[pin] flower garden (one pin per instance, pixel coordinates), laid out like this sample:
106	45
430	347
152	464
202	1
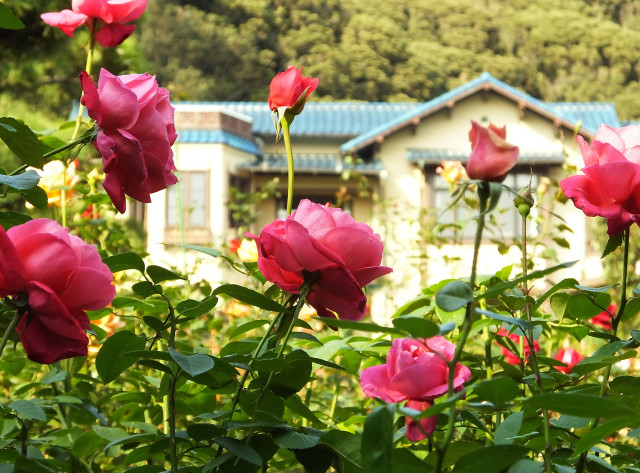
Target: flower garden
112	363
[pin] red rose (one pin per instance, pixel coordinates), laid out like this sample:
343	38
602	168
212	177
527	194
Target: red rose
604	318
491	156
608	187
61	277
416	371
569	357
287	87
509	356
135	134
110	16
330	247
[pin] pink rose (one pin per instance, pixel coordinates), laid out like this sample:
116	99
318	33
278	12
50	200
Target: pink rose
570	357
604	318
327	246
416	371
59	277
608	187
135	134
491	156
107	17
287	87
509	356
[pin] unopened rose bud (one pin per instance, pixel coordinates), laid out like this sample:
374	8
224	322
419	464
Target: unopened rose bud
524	201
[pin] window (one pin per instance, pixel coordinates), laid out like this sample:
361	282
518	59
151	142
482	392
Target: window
188	201
506	223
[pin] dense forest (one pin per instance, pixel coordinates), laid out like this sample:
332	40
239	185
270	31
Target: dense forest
375	50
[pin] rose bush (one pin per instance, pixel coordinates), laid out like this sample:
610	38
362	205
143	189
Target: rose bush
135	134
106	18
604	318
491	156
287	87
328	248
416	371
611	175
53	277
511	357
570	357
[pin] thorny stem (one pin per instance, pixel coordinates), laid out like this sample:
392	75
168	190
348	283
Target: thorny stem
466	326
7	333
614	328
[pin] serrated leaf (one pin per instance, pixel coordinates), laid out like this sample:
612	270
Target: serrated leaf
579	405
454	296
494	458
159	274
361	326
294	440
508	429
498	390
192	364
205	431
239	449
24	181
596	434
87	444
21	141
36	196
249	296
124	261
112	360
8	20
613	243
416	326
28	410
377	441
203	307
523	324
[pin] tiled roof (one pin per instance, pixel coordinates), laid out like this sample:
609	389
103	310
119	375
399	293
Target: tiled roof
311	163
589	114
485	81
218	136
437	155
336	119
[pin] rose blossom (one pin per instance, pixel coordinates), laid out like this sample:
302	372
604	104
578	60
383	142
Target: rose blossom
452	171
327	246
416	371
570	357
287	87
108	17
60	277
135	134
491	156
611	176
509	356
604	318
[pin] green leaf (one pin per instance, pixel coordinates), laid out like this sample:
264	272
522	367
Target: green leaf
500	288
416	326
377	441
249	296
110	433
508	429
112	360
28	410
559	303
21	141
294	440
579	405
569	283
494	458
239	449
192	364
204	431
87	444
36	196
346	445
526	466
248	326
203	307
498	390
9	219
612	244
454	296
24	181
361	326
294	376
595	435
8	20
523	324
582	306
201	249
124	261
159	274
454	452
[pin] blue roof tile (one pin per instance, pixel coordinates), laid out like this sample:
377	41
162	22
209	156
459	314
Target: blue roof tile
437	155
588	114
218	136
311	163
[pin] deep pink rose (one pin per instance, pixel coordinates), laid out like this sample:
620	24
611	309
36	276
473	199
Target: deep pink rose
416	371
135	134
491	156
287	87
604	318
107	17
570	357
509	356
60	277
327	246
610	179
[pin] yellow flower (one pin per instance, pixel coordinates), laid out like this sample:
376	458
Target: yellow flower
452	171
248	251
53	177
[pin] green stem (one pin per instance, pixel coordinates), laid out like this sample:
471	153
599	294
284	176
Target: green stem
46	156
466	328
173	453
290	175
7	333
614	328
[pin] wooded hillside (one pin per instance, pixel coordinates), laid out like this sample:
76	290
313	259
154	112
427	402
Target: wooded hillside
375	50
